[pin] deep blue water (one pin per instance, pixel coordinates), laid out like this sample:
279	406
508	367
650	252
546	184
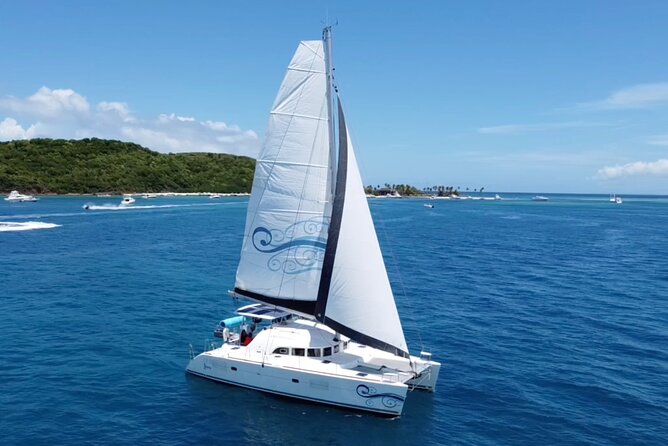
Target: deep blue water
550	319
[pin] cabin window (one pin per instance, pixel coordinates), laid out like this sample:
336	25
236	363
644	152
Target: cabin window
336	348
314	352
298	351
282	351
327	351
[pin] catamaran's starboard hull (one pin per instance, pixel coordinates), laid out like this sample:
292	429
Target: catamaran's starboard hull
381	398
427	378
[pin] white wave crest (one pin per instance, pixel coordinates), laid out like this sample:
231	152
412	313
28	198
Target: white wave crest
10	226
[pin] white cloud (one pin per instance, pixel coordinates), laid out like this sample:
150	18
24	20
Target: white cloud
67	114
519	129
636	96
10	129
638	168
47	103
119	108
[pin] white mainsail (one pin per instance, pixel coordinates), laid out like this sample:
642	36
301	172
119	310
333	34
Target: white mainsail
286	222
296	218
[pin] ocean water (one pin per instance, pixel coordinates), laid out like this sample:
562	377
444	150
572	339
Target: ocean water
550	319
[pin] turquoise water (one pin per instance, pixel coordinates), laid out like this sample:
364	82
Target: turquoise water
550	319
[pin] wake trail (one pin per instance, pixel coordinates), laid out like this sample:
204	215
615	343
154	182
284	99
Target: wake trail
118	207
11	226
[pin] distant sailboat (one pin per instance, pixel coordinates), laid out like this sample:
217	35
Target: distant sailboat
615	199
311	258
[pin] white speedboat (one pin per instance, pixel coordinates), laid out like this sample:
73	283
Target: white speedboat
214	196
539	198
127	200
430	206
310	249
149	196
16	197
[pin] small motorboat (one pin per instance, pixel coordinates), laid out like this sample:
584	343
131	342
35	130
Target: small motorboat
15	197
127	200
215	196
539	198
430	206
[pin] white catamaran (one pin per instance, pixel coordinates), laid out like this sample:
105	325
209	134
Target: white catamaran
327	327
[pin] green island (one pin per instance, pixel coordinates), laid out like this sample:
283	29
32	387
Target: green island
91	165
406	190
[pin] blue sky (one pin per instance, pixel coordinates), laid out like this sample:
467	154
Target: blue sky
567	96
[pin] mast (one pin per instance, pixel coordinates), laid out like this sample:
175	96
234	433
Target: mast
329	73
336	179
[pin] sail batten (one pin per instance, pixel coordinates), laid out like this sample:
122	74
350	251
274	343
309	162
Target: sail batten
293	163
304	70
319	118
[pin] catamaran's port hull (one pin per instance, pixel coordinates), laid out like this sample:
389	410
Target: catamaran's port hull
378	397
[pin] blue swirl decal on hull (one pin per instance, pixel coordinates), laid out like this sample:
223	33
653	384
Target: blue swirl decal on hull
390	400
298	248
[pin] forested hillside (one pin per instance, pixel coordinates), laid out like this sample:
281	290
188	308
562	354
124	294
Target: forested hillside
99	165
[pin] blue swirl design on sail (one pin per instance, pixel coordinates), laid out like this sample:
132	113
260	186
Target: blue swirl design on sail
296	249
389	400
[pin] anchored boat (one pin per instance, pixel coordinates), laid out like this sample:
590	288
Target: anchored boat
15	196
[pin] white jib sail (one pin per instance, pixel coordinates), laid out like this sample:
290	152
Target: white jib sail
287	222
360	296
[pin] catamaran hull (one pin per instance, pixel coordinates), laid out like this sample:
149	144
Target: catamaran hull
427	378
381	398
